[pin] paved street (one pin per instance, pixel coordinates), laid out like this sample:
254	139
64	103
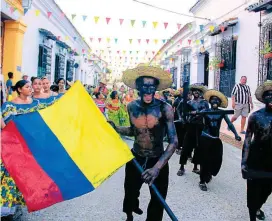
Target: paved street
224	201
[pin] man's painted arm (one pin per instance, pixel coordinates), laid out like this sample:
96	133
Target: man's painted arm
172	137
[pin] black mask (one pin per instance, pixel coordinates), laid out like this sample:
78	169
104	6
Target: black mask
146	86
267	96
215	102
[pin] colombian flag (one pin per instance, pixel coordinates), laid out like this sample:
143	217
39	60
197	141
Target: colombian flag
63	151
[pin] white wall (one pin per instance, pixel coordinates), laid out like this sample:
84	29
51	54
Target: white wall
59	26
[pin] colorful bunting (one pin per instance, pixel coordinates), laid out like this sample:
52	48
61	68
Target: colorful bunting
130	41
180	41
83	51
121	21
37	12
190	26
144	23
108	20
179	26
156	41
124	52
166	52
130	52
116	39
58	37
163	41
132	22
165	24
91	39
147	41
73	16
66	38
222	28
189	41
75	38
84	17
137	52
49	14
211	28
153	52
201	27
99	39
118	52
96	19
155	23
202	41
11	10
108	40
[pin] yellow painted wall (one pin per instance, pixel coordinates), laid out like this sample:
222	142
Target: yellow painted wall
13	48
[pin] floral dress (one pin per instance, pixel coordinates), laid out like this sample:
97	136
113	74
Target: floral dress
116	112
11	197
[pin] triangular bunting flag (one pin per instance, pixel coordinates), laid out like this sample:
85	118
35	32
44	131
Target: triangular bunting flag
121	21
153	52
179	26
110	52
156	41
190	26
66	38
130	41
202	41
84	17
130	52
91	39
62	14
108	40
132	22
163	41
155	23
73	16
165	24
189	41
146	52
116	39
58	37
99	39
137	52
166	52
49	14
211	28
144	23
201	27
37	12
108	20
180	42
11	9
83	51
96	18
222	28
124	52
118	52
75	38
147	41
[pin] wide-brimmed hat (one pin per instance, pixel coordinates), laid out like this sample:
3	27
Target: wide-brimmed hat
145	70
197	86
103	81
266	86
215	93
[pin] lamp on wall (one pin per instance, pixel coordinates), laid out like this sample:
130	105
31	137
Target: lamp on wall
26	5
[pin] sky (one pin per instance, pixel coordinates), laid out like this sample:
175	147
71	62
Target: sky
131	52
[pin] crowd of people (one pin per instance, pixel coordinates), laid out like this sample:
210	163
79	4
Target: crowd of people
189	119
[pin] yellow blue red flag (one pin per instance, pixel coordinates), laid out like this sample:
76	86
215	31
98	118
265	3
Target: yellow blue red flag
63	151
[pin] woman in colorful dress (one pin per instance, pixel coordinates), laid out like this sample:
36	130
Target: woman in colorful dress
115	113
99	101
11	198
44	98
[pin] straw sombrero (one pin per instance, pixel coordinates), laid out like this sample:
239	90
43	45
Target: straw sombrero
103	81
266	86
210	93
198	87
144	70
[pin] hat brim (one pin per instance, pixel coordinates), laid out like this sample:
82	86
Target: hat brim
199	87
210	93
266	86
130	76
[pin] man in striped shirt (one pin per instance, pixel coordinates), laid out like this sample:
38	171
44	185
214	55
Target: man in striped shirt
241	102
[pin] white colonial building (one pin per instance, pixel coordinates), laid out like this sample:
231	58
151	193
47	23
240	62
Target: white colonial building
222	46
54	48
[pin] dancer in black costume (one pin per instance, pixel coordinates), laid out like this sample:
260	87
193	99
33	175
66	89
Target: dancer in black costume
257	154
193	129
211	147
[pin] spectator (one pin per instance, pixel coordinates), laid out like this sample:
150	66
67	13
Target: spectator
99	100
241	101
25	77
9	85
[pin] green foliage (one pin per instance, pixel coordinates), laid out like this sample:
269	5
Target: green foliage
267	48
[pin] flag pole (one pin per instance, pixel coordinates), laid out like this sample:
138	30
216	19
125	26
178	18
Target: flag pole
157	193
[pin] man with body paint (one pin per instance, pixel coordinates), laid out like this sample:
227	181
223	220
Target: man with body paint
149	118
257	154
193	129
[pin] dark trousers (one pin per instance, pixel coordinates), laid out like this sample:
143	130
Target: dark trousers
258	190
181	130
190	143
133	184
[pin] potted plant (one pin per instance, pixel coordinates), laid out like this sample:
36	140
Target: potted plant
215	63
267	50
